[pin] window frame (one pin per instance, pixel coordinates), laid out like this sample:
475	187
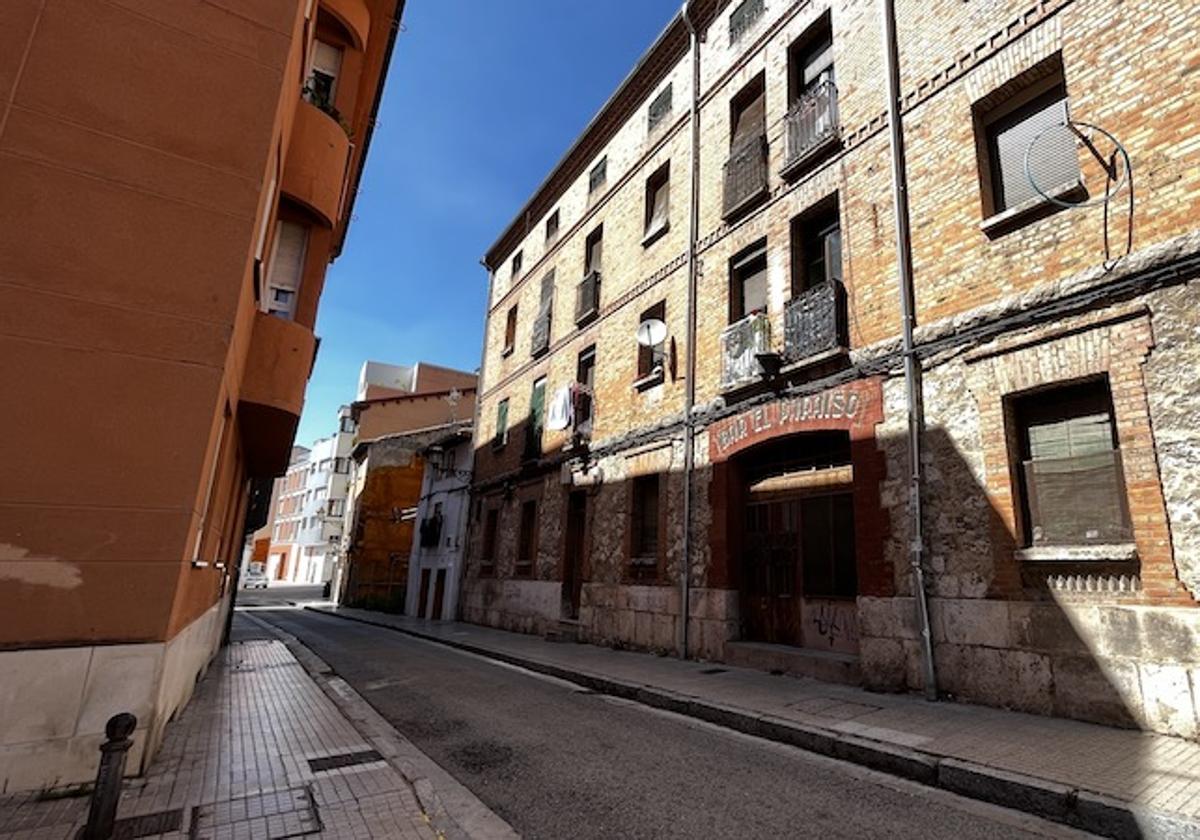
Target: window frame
815	225
553	222
739	271
500	435
510	331
643	565
651	361
660	108
598	175
658	182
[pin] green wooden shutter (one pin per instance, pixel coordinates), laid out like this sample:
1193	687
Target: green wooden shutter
501	424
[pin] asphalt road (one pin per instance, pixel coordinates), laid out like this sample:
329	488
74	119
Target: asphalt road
279	594
557	761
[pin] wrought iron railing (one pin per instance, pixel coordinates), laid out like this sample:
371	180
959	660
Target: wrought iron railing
587	300
1078	500
741	342
746	174
811	123
814	322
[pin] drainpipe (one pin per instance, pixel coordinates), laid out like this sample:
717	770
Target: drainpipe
912	370
690	351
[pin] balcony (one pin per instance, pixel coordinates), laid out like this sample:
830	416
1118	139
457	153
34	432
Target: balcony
587	300
811	127
352	14
745	176
814	322
272	391
741	342
315	167
1078	500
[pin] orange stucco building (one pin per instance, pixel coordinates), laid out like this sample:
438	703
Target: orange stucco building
176	177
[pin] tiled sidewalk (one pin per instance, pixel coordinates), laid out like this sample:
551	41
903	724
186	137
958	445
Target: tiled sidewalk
236	764
1081	764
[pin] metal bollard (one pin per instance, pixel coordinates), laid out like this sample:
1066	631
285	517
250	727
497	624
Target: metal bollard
106	794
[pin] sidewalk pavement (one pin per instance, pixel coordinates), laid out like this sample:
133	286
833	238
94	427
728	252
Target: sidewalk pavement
1114	782
264	750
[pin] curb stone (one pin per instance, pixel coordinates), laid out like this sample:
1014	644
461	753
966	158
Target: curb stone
1093	812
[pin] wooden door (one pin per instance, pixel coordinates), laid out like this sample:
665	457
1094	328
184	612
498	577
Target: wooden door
573	553
770	566
439	594
423	595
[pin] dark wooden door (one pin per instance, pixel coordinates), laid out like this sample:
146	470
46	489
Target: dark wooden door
439	593
423	595
573	553
770	569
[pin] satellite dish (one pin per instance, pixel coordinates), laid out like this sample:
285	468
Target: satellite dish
651	332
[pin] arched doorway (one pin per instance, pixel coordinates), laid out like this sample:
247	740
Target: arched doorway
795	560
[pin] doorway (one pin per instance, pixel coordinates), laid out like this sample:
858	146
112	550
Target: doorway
573	554
439	594
423	594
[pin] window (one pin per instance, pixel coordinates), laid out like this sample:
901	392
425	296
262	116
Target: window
552	226
650	358
658	203
287	268
341	465
816	247
643	525
748	282
748	114
510	330
659	110
517	261
594	251
337	507
537	418
598	176
810	61
744	17
488	561
1008	128
585	375
540	342
1068	467
527	538
827	546
321	86
348	424
501	437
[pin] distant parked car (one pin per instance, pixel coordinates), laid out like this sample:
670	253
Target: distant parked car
255	579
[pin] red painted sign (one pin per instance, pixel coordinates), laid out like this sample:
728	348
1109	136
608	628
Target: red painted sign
842	407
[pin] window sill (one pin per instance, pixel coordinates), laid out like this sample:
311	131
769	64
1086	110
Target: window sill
655	377
1106	553
655	235
1029	211
506	352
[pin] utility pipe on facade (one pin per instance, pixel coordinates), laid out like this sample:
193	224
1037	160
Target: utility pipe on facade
912	370
689	399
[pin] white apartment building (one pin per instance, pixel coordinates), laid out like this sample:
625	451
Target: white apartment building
435	565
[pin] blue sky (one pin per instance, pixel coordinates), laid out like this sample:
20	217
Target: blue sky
482	98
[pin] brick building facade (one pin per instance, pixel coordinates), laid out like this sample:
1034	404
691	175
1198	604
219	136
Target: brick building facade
1060	538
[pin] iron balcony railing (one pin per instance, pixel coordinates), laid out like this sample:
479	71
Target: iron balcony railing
741	342
745	174
587	300
812	124
814	322
1078	500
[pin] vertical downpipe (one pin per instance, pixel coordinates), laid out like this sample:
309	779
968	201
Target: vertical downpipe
912	370
690	383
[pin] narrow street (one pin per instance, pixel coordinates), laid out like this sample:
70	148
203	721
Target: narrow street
557	761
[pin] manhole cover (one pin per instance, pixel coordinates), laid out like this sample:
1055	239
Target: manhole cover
332	762
269	816
146	825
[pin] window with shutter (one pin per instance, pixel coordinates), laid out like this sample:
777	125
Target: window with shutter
748	282
1070	475
749	114
537	418
501	436
598	176
594	248
585	375
542	323
658	199
287	268
510	330
321	86
660	109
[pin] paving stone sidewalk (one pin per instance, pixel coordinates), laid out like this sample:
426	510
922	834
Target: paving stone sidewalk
1118	782
260	752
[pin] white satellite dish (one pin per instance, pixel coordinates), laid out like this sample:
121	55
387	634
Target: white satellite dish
651	332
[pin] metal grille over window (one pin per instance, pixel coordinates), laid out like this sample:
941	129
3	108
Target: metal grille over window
812	123
814	321
744	17
660	109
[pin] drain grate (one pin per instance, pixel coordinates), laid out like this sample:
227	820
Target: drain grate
266	816
714	671
146	825
333	762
